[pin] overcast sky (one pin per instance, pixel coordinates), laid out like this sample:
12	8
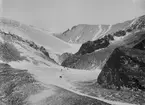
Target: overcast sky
59	15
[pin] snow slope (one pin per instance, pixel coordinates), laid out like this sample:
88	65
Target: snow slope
37	35
15	48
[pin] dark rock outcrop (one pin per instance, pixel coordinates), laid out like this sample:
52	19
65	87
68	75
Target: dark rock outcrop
140	45
120	33
124	69
90	46
64	56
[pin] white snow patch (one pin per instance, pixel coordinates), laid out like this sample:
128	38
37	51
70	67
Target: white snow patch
74	48
97	34
77	38
70	41
25	65
105	31
51	76
134	21
81	75
109	28
118	38
1	61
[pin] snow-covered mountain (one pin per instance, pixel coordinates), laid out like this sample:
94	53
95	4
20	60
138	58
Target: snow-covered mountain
83	32
37	35
14	48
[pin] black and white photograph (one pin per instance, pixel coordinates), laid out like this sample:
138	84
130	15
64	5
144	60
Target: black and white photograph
72	52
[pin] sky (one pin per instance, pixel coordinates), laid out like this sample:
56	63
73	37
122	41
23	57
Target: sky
59	15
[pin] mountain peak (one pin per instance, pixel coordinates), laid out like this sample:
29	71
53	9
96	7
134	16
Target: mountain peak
138	23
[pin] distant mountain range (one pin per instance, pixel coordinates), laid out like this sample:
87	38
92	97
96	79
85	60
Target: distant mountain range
84	32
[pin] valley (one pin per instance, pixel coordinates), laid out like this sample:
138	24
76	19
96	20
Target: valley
89	65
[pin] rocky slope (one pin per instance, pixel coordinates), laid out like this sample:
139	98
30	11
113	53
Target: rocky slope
93	53
64	56
15	48
124	69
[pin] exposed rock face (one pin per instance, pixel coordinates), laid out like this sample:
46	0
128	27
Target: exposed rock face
124	69
120	33
91	46
64	56
141	45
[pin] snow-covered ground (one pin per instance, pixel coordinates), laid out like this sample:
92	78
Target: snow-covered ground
81	75
73	48
49	75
